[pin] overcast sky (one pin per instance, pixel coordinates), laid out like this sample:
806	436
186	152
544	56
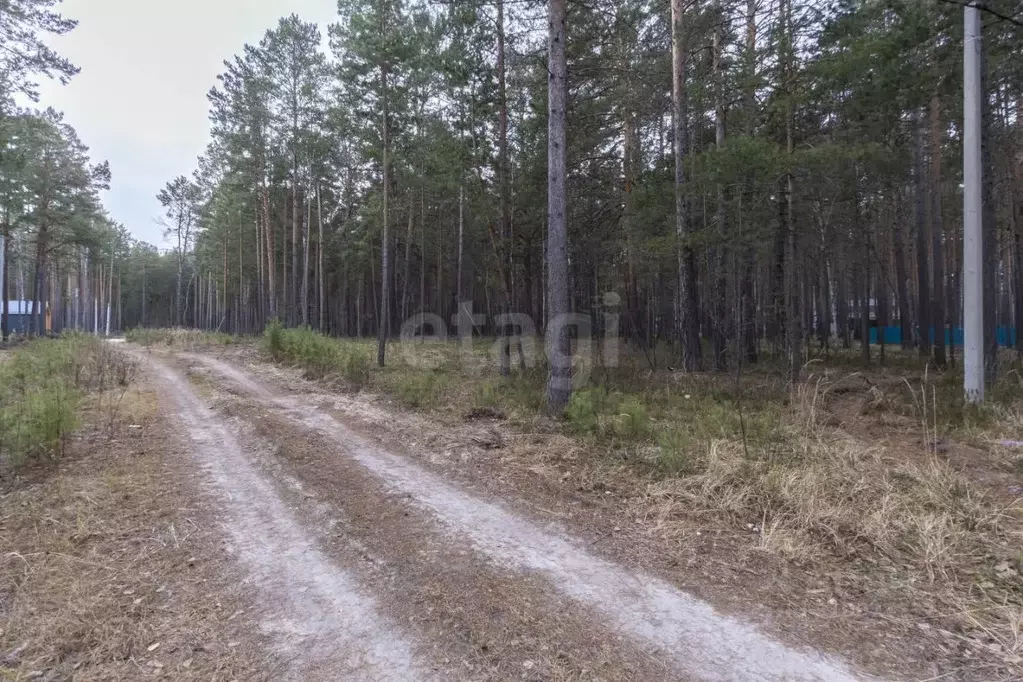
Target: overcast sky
140	100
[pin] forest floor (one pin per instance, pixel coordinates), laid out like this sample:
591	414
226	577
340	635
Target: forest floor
111	562
248	521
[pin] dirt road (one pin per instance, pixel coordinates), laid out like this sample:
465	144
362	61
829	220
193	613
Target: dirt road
369	566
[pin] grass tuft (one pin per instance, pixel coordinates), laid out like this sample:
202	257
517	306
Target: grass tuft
179	338
42	385
320	356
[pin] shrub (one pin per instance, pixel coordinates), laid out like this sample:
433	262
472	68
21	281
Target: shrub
583	412
678	454
486	394
632	420
273	337
320	356
603	415
526	391
356	368
417	390
41	386
177	337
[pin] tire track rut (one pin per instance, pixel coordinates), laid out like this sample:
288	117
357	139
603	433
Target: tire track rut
327	626
667	622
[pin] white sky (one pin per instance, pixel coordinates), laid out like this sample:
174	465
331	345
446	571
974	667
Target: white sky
140	100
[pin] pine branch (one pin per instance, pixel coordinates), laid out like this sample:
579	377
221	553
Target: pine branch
982	6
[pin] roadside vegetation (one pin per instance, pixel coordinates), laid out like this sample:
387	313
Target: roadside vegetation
104	573
45	385
178	338
882	477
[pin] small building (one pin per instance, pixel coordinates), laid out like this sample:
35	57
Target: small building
21	319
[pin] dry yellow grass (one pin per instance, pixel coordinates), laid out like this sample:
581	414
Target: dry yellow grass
889	517
872	488
108	570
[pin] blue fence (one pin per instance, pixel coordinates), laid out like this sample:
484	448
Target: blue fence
953	337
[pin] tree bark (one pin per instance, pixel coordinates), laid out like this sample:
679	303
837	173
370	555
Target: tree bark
305	262
721	321
385	263
937	230
285	298
922	269
901	275
687	329
260	282
747	293
794	326
296	207
408	262
459	291
559	380
5	299
629	164
42	239
864	313
1017	224
271	257
422	253
319	254
504	252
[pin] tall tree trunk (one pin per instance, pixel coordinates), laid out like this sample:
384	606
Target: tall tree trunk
559	380
881	295
1017	223
629	163
38	280
360	304
319	255
226	274
687	323
459	291
504	252
144	277
440	267
863	286
794	326
240	326
271	254
305	262
748	309
922	269
296	208
5	299
385	262
178	303
721	321
285	293
937	230
422	253
110	293
260	281
408	262
901	275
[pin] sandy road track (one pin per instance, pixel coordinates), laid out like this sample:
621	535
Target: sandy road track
317	612
685	635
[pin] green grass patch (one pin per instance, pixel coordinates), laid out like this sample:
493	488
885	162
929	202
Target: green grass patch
42	384
418	389
320	356
181	338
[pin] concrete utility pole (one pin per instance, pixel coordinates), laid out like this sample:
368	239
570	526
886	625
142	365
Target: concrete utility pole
973	252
